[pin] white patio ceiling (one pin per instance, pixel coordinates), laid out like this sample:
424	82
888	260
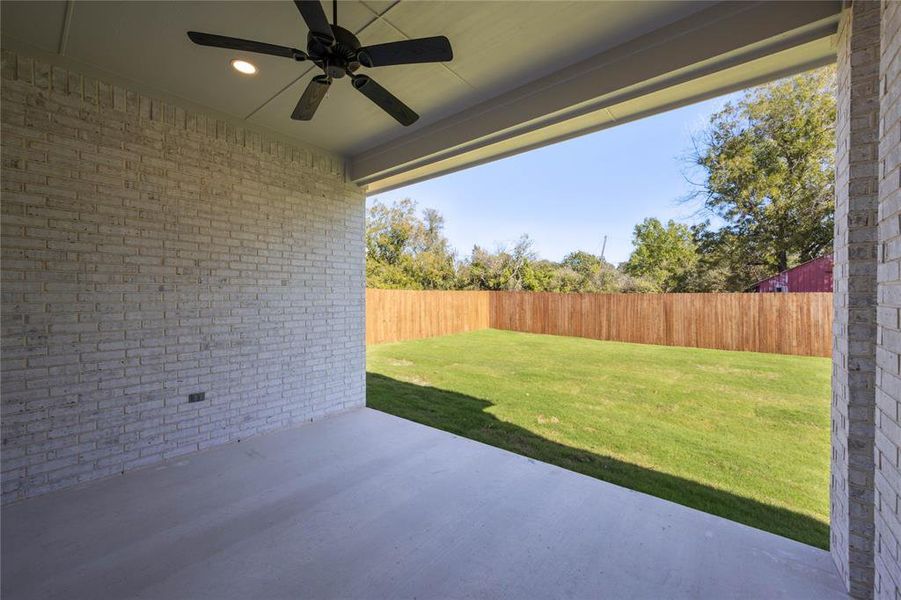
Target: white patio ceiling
524	73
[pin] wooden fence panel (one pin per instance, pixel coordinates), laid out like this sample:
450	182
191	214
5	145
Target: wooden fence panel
798	323
397	315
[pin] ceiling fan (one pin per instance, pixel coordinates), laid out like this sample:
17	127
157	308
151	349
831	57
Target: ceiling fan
338	52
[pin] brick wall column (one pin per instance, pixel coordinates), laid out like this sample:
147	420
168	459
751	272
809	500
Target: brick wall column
854	352
888	350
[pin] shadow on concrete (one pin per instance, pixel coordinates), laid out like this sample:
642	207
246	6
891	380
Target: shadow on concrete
466	416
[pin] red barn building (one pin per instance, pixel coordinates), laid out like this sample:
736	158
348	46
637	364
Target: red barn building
813	276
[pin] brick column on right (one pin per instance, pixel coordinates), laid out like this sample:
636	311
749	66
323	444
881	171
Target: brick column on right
854	351
888	350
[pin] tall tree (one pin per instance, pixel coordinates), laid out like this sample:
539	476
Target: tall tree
404	250
663	254
768	164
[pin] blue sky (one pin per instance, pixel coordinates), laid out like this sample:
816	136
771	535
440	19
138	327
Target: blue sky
568	196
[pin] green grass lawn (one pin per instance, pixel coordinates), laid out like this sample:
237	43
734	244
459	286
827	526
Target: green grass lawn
737	434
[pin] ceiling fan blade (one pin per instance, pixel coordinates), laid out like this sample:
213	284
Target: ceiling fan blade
314	17
385	100
312	96
422	50
222	41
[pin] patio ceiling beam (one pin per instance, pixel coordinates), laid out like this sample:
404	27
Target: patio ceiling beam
722	48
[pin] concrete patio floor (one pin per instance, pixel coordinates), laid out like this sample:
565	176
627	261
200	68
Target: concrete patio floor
367	505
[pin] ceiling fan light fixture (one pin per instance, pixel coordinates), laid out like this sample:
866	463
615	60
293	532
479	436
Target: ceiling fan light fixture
243	67
338	53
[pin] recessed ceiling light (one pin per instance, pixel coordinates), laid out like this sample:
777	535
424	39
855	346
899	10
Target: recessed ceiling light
242	66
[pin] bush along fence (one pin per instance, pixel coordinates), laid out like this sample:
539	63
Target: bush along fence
796	323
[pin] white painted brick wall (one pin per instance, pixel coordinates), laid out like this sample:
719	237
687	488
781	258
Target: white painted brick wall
888	352
854	325
149	252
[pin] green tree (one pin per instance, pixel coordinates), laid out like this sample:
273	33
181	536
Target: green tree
519	269
663	255
768	164
512	269
404	250
584	263
582	271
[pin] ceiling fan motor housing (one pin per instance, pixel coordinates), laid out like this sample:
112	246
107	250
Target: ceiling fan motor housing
338	59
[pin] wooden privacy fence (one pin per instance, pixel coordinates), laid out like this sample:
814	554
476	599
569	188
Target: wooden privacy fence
396	315
797	323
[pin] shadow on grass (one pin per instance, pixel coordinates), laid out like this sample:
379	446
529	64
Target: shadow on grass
466	416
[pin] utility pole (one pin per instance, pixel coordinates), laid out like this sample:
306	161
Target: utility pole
604	247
